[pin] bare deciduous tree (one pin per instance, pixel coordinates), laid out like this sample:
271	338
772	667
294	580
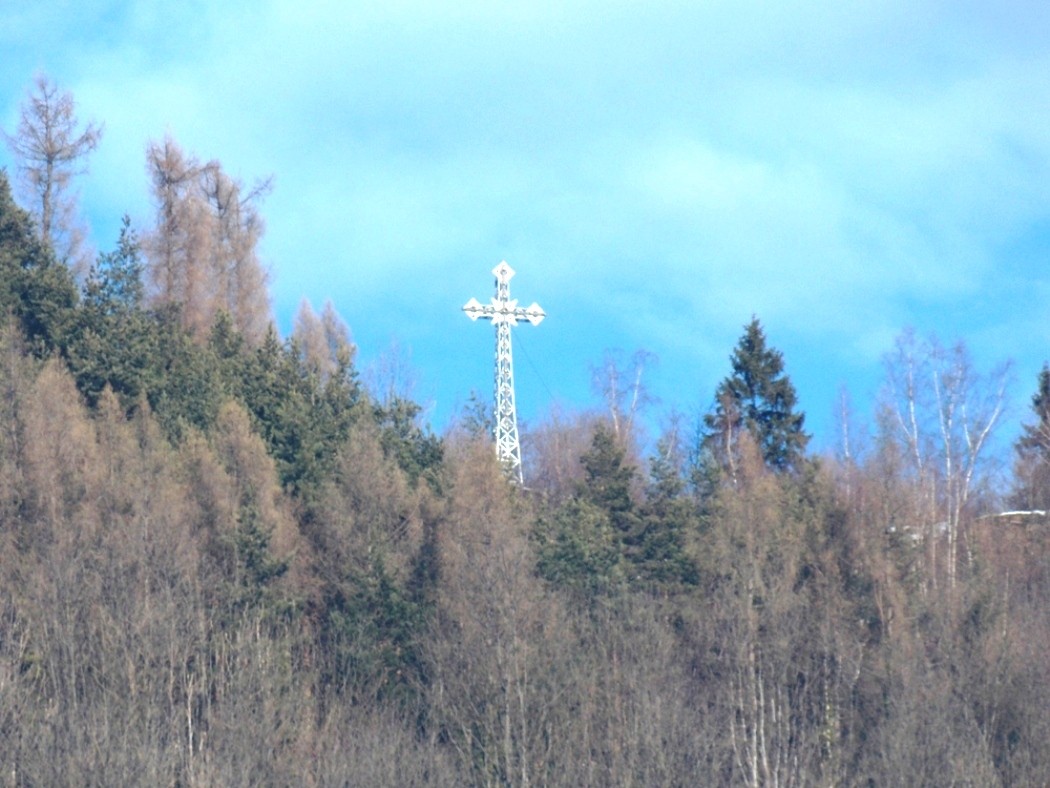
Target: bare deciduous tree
51	150
553	448
492	656
620	384
177	247
237	229
943	414
323	340
202	251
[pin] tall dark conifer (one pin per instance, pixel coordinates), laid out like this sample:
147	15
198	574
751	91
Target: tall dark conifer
667	516
608	480
584	543
759	398
114	341
114	284
35	288
1032	467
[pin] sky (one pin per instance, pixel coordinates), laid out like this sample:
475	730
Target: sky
657	173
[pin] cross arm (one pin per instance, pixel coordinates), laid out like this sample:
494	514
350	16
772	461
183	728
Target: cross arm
475	310
504	311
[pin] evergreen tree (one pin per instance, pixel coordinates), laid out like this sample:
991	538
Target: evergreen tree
304	415
582	545
477	418
33	286
115	342
272	390
115	282
602	537
607	481
667	516
577	549
1032	466
416	450
759	398
188	389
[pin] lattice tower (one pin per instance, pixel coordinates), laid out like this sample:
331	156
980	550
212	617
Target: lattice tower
505	313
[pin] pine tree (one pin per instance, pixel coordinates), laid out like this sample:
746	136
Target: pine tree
759	398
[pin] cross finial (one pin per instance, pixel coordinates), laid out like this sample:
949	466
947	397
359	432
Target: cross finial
504	313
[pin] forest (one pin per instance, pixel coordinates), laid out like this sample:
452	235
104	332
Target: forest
225	561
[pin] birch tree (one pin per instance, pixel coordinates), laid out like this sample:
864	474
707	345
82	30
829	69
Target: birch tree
620	384
943	413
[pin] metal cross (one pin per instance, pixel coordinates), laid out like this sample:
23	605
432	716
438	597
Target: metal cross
505	313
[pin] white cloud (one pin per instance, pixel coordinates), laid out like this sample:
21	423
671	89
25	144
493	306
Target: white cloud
834	168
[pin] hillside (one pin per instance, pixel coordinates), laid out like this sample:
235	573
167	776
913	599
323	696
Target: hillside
225	562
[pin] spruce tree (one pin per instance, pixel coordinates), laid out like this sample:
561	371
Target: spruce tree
759	398
608	480
667	515
584	544
114	284
601	540
37	290
114	341
1032	467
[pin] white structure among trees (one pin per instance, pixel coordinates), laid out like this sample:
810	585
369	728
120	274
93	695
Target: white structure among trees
504	313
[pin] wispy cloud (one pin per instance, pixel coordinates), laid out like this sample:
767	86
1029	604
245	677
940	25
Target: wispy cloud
839	170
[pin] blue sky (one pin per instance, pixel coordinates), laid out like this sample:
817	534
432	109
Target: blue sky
656	173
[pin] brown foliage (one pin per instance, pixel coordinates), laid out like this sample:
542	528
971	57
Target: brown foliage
553	449
147	635
323	340
51	150
492	658
201	252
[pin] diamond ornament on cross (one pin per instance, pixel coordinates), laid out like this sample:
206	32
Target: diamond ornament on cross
505	313
503	308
